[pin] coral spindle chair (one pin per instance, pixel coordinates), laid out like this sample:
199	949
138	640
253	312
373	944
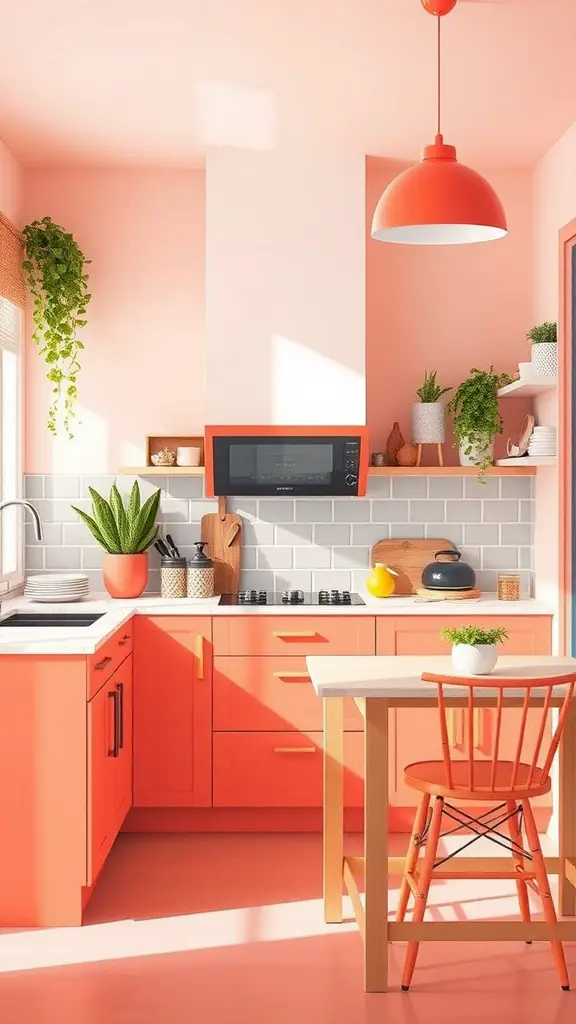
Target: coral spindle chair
510	785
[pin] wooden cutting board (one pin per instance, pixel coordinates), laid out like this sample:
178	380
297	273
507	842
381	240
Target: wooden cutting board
222	531
408	557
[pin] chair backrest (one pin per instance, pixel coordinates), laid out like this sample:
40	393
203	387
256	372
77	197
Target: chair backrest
533	753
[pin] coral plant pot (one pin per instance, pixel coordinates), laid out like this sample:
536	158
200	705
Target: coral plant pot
125	575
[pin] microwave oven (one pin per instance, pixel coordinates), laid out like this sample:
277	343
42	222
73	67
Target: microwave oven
286	461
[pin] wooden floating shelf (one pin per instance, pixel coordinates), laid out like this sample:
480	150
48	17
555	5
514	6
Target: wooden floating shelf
505	467
528	388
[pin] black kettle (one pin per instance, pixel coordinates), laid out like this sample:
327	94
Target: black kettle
449	575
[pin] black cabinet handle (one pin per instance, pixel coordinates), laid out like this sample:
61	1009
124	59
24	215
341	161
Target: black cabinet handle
113	695
120	707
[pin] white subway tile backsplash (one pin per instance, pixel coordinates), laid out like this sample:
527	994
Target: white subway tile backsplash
351	558
369	533
308	542
314	510
389	511
275	558
280	511
351	510
427	512
294	533
500	511
410	487
312	557
330	534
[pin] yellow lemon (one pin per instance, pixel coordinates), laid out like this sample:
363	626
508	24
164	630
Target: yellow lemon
380	582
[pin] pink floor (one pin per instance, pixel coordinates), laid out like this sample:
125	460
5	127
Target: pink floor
229	929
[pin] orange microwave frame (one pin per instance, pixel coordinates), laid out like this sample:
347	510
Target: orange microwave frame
279	431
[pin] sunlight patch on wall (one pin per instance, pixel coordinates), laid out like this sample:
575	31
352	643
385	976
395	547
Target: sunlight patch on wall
87	451
308	387
232	115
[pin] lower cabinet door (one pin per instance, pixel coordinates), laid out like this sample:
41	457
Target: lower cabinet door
102	775
280	769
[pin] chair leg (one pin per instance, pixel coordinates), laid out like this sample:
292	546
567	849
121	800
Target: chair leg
516	837
424	880
544	887
412	855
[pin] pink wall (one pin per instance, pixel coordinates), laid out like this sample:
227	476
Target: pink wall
554	206
10	186
143	367
445	308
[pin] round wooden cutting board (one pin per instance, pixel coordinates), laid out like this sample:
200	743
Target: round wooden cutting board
450	595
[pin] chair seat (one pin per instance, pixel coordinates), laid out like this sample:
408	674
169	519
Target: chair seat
430	777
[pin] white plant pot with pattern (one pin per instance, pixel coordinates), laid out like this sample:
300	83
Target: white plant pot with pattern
428	423
545	359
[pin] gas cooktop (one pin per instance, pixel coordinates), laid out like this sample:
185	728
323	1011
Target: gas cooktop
292	597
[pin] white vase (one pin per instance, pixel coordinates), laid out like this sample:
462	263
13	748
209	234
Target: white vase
545	359
477	454
428	424
474	659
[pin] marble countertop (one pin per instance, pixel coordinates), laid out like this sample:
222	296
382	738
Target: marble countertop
87	639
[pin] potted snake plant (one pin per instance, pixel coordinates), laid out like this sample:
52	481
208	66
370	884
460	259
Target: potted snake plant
428	426
125	532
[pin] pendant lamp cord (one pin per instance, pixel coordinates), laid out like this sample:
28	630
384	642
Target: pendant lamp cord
439	19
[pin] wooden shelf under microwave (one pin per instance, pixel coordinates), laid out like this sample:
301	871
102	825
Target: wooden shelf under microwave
528	469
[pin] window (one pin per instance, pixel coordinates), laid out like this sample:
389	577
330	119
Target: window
11	520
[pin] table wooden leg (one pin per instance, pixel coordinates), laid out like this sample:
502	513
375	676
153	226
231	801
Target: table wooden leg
333	825
376	845
567	810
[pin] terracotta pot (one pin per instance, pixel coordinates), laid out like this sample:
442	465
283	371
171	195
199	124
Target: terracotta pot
125	575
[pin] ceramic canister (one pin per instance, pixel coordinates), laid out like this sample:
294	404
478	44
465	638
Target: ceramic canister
173	577
200	574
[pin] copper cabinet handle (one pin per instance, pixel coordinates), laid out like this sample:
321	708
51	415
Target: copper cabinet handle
113	696
102	664
124	639
199	655
120	708
287	636
294	750
292	675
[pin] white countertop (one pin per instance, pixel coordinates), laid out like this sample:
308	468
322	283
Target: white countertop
399	676
86	640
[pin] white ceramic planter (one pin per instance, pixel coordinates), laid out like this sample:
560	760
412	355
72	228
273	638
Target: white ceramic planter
428	423
545	359
477	454
474	660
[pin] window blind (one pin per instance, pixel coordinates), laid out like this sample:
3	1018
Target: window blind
12	285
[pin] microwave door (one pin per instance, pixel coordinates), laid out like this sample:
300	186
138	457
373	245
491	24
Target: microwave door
291	466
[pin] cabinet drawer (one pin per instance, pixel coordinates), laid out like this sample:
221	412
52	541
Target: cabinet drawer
280	769
294	635
266	694
107	658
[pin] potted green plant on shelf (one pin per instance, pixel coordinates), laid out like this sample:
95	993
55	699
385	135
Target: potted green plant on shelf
428	415
544	338
54	269
474	651
125	532
477	418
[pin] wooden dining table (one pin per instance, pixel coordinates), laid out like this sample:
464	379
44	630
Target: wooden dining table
377	684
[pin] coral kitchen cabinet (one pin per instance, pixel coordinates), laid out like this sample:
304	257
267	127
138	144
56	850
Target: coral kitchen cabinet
66	777
173	712
415	732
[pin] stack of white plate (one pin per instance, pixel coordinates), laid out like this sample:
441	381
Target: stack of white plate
542	442
57	587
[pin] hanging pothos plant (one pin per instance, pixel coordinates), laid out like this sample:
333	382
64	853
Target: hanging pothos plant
54	270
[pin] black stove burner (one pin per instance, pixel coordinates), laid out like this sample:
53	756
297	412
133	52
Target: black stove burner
293	598
250	597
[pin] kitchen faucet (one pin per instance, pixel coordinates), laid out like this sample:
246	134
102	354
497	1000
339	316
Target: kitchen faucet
29	505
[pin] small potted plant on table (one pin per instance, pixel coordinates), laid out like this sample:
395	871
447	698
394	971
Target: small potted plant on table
125	533
544	338
474	651
477	417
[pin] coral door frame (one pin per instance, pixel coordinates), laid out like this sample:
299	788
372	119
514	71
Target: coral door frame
567	447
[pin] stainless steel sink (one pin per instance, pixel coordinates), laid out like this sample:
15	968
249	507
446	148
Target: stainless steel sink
36	620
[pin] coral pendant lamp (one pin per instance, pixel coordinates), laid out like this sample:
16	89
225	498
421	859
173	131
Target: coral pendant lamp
439	201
